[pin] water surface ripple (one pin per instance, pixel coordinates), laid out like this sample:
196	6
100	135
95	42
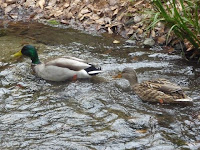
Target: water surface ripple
101	113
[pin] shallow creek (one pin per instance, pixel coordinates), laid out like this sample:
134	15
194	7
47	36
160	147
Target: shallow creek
101	113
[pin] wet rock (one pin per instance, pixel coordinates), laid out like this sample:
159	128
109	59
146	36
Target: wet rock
130	22
179	46
137	122
149	42
130	42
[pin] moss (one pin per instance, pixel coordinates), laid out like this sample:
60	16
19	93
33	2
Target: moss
3	32
53	22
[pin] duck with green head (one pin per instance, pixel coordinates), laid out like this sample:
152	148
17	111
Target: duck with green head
59	69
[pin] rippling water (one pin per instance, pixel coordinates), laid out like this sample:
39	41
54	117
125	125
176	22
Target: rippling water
100	113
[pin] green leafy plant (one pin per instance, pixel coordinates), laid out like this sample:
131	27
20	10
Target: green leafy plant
182	17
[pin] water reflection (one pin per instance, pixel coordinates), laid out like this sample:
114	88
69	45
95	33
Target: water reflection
100	113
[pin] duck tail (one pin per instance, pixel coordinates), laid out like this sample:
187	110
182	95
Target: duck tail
184	100
92	70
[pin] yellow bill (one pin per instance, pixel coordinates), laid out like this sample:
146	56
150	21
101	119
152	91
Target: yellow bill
18	54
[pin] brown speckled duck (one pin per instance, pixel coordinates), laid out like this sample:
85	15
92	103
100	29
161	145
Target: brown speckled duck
156	90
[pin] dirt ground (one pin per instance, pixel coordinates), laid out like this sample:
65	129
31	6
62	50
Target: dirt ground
127	18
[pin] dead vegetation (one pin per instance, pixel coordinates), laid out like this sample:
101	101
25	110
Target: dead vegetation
122	17
128	18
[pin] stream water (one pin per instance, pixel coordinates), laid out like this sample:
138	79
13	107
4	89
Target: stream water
101	113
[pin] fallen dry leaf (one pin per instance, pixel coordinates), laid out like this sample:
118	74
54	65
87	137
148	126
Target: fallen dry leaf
114	7
100	21
161	40
161	101
84	11
135	58
190	48
66	5
116	42
115	12
52	3
58	13
95	17
153	34
41	3
110	32
64	21
9	8
113	2
130	31
108	51
10	1
4	5
139	31
168	49
29	3
138	3
142	131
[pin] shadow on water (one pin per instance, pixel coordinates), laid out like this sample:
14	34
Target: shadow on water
99	113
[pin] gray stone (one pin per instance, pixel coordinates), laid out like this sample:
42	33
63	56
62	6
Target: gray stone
137	19
113	2
130	42
149	42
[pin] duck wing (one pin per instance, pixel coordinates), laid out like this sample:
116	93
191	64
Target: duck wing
71	63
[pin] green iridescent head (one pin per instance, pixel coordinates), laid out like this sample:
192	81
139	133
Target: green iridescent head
30	51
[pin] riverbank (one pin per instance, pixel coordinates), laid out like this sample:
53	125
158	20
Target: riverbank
122	17
129	19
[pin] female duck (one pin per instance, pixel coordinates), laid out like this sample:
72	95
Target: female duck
59	69
156	90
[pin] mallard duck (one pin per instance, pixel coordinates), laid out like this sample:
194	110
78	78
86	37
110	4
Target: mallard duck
59	69
156	90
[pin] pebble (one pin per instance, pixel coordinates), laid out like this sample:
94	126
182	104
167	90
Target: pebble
137	19
130	42
113	2
149	42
